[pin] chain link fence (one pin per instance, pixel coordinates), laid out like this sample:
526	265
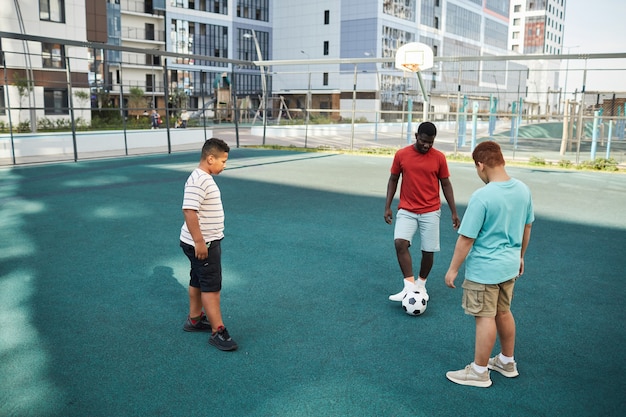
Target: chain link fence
68	100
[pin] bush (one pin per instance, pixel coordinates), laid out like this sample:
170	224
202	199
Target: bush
599	164
536	161
565	163
23	127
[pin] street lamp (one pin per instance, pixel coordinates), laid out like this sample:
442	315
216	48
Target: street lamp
263	80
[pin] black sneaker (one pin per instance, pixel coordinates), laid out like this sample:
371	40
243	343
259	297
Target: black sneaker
222	340
201	325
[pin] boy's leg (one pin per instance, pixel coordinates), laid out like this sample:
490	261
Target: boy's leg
211	303
485	339
195	302
505	323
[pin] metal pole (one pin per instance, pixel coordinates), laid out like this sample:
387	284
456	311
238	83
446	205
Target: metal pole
122	111
68	74
166	97
353	109
308	112
6	88
236	109
203	79
581	107
458	110
263	82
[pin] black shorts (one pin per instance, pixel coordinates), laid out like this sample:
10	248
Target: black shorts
205	274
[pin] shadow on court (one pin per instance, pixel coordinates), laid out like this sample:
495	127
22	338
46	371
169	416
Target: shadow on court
93	295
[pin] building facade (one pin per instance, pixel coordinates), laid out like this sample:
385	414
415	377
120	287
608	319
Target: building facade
537	27
213	42
35	89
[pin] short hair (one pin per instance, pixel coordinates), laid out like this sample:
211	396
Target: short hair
427	128
488	153
213	146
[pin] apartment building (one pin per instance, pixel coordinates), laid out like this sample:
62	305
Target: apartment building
35	74
219	34
376	29
537	27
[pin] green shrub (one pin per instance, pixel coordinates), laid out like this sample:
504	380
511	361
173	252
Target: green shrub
536	161
599	164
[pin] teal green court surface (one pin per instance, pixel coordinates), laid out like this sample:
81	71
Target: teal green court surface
93	295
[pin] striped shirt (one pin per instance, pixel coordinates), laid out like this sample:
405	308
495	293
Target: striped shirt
202	195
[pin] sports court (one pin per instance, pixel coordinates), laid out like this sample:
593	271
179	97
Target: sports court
93	295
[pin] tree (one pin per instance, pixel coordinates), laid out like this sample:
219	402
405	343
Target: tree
137	100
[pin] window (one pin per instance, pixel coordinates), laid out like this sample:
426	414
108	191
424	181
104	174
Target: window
55	101
150	83
326	17
52	10
326	47
325	78
517	8
149	31
516	22
53	55
253	9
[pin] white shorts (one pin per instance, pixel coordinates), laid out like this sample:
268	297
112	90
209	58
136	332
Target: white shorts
407	224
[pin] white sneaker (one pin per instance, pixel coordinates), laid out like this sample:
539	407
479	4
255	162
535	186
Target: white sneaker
408	286
422	290
469	376
509	370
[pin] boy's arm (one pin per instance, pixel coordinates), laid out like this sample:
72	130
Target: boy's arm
462	248
193	224
525	240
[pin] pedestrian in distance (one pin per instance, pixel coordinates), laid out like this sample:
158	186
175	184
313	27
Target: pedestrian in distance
492	241
155	118
200	239
423	170
184	118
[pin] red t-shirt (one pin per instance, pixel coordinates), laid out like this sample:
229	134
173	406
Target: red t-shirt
419	190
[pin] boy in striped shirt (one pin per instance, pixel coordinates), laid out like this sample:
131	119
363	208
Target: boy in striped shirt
200	238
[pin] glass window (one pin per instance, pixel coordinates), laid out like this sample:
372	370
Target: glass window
55	101
326	17
52	10
53	55
326	47
463	22
325	78
253	9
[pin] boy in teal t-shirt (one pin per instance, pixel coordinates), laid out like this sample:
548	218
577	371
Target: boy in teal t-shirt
493	238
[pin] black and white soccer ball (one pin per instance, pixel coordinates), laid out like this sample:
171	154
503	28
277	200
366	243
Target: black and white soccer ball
414	303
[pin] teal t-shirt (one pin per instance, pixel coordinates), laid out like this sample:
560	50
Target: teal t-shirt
495	217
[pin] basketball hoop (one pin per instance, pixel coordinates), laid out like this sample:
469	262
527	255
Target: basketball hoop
414	57
410	67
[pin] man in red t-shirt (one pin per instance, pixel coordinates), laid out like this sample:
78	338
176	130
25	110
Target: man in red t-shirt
422	169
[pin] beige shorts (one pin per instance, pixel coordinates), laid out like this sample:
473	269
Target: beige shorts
485	300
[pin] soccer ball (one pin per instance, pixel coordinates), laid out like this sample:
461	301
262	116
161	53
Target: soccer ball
414	303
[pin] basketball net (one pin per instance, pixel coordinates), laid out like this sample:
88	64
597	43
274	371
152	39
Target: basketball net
411	67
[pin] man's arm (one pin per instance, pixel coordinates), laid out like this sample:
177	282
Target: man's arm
448	193
462	248
392	186
525	240
193	224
